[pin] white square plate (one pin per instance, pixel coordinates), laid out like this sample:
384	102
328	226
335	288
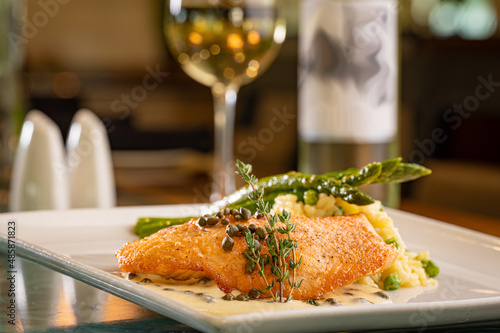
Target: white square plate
82	244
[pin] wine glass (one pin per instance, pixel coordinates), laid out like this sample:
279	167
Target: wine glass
224	44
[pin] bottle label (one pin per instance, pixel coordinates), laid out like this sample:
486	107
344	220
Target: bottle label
348	71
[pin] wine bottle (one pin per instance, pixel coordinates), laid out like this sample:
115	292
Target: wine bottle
348	86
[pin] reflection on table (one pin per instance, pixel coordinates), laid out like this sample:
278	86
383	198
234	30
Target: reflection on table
50	301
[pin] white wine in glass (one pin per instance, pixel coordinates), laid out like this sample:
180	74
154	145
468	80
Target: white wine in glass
224	44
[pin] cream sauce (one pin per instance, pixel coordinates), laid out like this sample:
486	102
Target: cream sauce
204	295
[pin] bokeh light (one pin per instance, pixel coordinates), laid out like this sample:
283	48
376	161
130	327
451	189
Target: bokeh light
444	19
479	20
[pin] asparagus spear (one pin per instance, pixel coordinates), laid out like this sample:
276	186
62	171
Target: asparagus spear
146	226
344	184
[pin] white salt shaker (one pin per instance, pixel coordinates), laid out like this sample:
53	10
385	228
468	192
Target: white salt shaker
90	167
39	176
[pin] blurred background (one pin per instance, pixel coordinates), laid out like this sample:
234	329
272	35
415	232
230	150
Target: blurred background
94	54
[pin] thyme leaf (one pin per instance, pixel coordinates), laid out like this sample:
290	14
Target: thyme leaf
283	257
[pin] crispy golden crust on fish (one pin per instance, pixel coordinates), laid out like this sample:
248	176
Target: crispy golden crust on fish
336	251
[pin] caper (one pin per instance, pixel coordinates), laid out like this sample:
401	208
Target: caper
224	221
234	211
242	297
245	213
250	267
131	276
232	230
202	222
252	227
248	253
227	243
382	294
245	231
254	293
207	298
332	301
146	280
256	237
228	297
257	246
259	215
220	215
227	211
207	216
261	232
238	217
212	220
203	280
239	226
361	301
265	259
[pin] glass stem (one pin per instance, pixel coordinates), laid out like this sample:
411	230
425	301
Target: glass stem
225	108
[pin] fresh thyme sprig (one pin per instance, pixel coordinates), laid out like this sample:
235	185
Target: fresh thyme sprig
282	251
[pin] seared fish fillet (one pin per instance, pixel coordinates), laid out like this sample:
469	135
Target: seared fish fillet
336	251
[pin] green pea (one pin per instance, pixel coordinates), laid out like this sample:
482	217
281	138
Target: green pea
430	268
392	282
227	243
310	197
